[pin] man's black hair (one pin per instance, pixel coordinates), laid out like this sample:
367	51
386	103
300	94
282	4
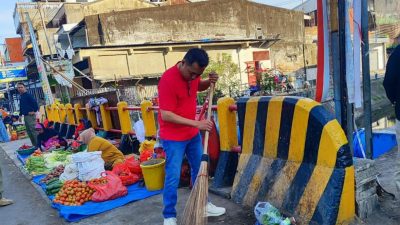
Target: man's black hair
197	55
21	83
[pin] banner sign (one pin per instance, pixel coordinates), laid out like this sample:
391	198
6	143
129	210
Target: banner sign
9	74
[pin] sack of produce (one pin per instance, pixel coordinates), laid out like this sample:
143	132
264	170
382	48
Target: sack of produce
70	172
90	165
123	172
108	187
134	166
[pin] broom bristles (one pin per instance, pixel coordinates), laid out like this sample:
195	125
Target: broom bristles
195	208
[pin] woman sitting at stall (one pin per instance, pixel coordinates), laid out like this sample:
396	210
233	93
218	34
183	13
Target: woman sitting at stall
110	154
46	135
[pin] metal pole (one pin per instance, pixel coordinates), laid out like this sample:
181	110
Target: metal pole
366	79
39	63
335	58
342	63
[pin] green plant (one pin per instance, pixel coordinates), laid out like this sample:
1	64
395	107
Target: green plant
228	71
268	84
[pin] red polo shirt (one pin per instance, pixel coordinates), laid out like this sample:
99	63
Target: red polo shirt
180	97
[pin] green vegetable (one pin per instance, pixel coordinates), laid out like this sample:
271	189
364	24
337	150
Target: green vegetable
56	185
52	181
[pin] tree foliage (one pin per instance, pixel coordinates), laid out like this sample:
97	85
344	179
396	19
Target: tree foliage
228	71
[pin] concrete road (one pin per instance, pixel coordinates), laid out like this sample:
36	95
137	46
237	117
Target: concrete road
29	207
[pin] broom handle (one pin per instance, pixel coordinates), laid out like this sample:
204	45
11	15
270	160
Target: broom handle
207	134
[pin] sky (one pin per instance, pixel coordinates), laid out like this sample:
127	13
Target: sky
7	28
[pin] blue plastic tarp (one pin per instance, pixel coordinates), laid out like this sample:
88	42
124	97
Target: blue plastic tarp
22	158
75	213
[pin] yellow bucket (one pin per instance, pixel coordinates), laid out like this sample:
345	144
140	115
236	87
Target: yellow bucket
153	173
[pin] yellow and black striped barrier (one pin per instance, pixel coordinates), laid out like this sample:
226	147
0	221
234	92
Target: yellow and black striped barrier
296	156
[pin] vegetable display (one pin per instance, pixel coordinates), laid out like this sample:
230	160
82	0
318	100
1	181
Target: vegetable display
54	186
73	193
55	173
36	165
25	146
37	153
57	158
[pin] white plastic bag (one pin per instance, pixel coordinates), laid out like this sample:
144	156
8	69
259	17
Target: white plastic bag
139	130
90	165
70	172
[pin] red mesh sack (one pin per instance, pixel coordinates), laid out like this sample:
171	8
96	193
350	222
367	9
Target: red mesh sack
146	155
123	172
134	166
111	190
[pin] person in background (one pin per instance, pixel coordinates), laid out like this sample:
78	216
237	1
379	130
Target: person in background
392	87
3	201
44	134
109	153
179	130
81	127
28	108
3	132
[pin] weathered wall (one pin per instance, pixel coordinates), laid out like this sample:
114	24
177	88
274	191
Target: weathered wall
288	57
386	9
114	5
74	12
228	19
129	63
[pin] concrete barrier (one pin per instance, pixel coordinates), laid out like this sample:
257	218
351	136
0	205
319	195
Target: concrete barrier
296	156
148	119
228	160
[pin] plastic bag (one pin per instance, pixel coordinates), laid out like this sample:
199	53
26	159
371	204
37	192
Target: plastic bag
139	130
146	155
266	214
123	172
90	165
134	166
111	190
70	172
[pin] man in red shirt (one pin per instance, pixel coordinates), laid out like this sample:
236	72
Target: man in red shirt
179	130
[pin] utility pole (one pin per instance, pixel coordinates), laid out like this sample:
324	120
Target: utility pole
366	79
39	63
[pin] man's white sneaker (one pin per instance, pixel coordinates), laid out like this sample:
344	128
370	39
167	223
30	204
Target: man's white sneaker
213	210
170	221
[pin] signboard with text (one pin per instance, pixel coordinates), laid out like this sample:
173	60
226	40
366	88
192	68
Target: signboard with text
9	74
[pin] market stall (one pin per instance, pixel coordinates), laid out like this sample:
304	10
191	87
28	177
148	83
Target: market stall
78	185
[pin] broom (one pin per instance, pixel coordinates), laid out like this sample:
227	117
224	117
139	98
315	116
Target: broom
195	208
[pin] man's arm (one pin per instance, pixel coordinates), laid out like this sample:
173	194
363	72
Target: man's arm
205	84
174	118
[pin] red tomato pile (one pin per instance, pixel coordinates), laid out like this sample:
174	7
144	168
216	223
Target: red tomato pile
74	193
98	181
